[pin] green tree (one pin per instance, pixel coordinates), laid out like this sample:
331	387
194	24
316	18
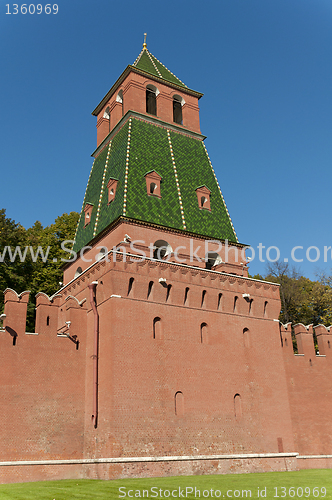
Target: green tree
48	254
13	271
38	263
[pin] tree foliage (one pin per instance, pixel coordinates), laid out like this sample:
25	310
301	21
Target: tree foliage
37	265
302	300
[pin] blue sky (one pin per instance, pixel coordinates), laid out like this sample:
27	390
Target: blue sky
264	67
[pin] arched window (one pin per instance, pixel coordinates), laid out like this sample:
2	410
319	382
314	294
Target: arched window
250	305
119	98
101	254
179	404
87	213
78	272
265	309
111	187
237	406
203	298
149	289
107	113
130	286
235	304
48	321
157	330
204	333
162	249
151	99
212	259
153	180
246	339
203	197
219	301
186	295
177	109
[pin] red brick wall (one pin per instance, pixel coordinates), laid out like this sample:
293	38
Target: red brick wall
310	393
213	380
134	99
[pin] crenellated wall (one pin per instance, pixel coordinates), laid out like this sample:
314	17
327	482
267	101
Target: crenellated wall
191	363
309	387
42	385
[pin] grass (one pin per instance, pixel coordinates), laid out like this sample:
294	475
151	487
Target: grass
236	485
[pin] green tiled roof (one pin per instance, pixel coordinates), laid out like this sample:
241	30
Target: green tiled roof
183	164
150	64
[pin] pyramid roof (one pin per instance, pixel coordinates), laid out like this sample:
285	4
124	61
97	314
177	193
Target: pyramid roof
183	164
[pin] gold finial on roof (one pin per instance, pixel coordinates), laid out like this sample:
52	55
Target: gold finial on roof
144	44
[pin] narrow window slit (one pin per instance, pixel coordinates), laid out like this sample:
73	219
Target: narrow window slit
203	297
150	289
186	295
130	285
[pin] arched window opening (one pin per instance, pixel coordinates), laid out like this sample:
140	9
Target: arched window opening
157	331
212	259
265	309
235	304
203	298
250	305
328	343
107	116
162	250
111	187
119	97
237	406
153	183
246	337
107	113
151	100
204	333
177	110
204	198
149	289
130	286
179	404
102	253
186	295
219	301
48	321
78	272
87	213
168	292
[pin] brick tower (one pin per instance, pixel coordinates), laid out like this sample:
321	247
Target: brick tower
159	355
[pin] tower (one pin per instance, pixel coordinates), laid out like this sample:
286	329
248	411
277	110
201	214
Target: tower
159	355
181	327
152	170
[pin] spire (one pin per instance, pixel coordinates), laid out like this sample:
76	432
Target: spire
148	63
